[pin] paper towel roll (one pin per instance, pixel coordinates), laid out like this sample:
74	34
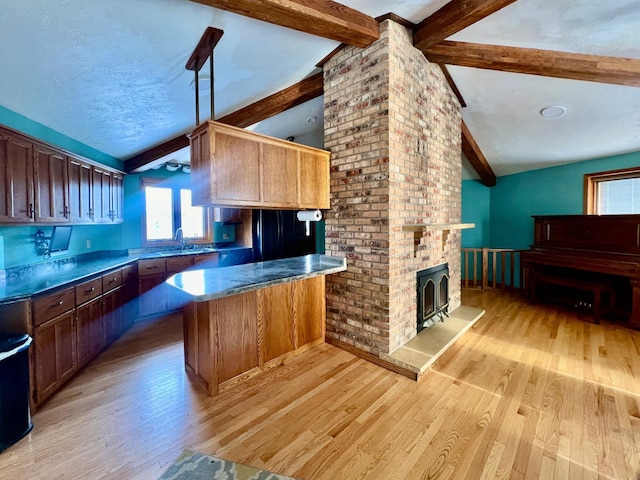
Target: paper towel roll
309	215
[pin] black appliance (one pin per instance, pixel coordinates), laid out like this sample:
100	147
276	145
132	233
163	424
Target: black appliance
279	234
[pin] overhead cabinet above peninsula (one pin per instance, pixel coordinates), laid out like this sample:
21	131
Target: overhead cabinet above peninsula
43	184
238	168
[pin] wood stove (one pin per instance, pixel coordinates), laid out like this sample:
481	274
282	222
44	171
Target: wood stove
433	295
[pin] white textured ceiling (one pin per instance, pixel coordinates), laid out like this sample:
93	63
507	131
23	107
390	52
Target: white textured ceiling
111	74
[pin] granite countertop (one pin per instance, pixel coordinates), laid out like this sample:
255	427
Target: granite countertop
37	282
209	284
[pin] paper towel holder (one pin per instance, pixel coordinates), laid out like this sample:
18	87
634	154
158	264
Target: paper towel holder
309	215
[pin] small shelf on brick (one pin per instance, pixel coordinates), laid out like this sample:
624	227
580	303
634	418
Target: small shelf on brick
420	228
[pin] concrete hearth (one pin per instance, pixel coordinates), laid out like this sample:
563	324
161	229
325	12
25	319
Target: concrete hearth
419	353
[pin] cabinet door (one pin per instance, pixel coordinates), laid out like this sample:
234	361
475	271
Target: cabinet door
80	178
314	180
51	185
236	170
279	175
152	299
54	354
112	315
90	330
117	198
16	180
101	201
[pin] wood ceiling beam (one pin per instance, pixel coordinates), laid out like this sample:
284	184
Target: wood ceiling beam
307	89
453	17
548	63
478	161
155	153
323	18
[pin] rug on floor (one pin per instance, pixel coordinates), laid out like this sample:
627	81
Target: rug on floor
197	466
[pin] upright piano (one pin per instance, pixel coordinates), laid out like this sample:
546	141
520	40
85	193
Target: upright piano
588	251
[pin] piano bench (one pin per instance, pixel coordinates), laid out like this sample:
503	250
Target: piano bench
593	286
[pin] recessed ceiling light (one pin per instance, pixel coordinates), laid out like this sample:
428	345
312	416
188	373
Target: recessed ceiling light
311	119
553	111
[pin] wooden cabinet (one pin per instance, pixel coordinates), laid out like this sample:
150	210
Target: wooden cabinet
51	186
44	184
229	339
54	354
54	341
101	204
235	167
80	177
116	198
227	215
72	325
16	179
90	330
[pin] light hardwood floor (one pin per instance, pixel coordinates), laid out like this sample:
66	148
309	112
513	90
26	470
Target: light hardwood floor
528	392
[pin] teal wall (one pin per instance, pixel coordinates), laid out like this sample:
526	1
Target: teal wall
17	245
39	131
476	206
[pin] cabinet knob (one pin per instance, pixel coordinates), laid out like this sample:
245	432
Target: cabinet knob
91	289
60	302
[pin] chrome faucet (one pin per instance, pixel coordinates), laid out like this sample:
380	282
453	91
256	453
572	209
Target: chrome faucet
180	236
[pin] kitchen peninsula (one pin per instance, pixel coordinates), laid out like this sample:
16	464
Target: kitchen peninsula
244	319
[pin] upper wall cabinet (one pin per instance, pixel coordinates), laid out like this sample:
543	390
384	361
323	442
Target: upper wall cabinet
42	184
238	168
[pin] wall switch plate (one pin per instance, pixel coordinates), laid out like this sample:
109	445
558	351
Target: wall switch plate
88	243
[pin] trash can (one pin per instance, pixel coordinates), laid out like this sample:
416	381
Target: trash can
15	412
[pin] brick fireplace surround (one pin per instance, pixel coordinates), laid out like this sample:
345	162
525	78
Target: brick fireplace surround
393	127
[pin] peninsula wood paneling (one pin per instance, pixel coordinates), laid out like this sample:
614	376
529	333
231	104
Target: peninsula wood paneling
236	335
275	308
228	340
309	306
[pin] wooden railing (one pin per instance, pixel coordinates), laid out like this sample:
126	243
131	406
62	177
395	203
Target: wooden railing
487	268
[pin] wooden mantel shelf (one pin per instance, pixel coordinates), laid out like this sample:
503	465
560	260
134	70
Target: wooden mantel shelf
430	227
419	228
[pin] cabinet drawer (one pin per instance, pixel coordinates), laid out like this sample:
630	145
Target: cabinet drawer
88	290
178	264
151	266
51	305
111	280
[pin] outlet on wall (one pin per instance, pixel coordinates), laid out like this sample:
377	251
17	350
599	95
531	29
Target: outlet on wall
88	243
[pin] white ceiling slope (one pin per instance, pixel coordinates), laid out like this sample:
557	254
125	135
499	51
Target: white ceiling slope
112	74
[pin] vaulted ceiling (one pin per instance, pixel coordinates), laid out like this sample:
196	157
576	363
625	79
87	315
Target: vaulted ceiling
112	74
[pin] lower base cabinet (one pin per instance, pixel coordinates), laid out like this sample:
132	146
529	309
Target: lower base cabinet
69	340
54	347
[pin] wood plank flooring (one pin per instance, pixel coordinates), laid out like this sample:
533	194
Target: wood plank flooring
528	392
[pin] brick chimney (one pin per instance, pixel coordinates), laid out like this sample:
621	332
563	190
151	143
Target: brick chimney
393	127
